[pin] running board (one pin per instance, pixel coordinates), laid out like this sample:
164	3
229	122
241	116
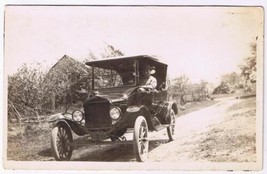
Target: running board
161	126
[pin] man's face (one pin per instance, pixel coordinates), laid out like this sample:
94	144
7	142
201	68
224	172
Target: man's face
147	74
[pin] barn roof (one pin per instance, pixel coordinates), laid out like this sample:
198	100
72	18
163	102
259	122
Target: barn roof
66	64
70	60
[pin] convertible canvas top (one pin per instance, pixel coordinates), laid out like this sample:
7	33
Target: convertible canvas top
124	64
140	57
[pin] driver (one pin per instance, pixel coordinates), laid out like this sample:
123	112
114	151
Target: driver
149	81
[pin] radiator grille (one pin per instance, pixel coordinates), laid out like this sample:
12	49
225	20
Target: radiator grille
97	114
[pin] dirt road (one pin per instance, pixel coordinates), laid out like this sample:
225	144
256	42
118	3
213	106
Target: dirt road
222	132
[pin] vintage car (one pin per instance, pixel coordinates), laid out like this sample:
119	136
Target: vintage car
119	103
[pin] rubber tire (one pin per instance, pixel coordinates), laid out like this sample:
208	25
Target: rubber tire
140	150
171	128
56	132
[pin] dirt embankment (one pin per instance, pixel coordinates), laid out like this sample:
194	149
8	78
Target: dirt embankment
225	132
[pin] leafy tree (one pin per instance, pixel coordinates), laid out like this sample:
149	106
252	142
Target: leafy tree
25	90
111	51
231	78
182	88
182	84
203	85
249	67
223	88
108	51
179	84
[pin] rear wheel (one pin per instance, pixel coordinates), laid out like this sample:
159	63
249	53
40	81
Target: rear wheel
140	139
171	128
62	142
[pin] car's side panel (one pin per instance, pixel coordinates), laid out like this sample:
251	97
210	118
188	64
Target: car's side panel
149	98
159	96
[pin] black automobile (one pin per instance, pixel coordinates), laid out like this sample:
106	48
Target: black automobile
119	103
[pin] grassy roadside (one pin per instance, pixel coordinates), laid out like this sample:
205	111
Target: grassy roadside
234	139
29	144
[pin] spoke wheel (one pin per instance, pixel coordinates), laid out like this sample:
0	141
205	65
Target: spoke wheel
62	142
171	128
140	139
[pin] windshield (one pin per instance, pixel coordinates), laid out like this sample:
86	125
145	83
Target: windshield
118	75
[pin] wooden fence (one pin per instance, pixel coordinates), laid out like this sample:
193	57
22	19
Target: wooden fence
14	116
183	98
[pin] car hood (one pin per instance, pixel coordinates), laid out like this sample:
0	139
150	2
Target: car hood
115	94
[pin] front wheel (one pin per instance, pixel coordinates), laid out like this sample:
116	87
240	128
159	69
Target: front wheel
140	139
62	142
171	128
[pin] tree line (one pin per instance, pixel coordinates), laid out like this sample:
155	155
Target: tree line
245	80
33	91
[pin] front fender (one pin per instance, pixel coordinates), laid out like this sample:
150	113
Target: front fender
59	118
134	111
129	117
55	117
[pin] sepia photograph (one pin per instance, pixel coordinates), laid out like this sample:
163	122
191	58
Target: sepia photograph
133	87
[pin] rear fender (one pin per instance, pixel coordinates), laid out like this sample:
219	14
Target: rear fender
172	106
165	110
57	119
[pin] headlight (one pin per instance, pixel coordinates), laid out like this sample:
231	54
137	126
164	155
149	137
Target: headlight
77	116
115	113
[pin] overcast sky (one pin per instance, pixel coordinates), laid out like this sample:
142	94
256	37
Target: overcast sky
200	42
